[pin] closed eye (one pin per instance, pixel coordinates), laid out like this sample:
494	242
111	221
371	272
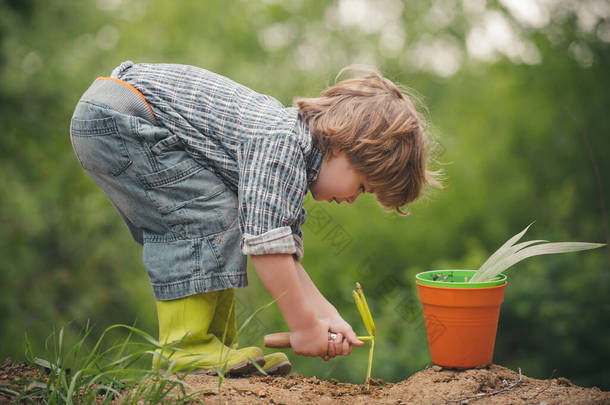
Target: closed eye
364	190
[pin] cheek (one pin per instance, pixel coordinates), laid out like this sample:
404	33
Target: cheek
345	190
347	187
322	189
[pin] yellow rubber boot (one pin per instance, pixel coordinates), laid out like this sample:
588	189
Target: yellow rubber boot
185	322
224	324
276	364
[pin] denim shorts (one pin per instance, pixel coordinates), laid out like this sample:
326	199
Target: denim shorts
182	214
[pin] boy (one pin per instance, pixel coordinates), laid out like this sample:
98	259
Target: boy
205	171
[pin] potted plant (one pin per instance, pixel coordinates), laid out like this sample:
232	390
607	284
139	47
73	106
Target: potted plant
462	307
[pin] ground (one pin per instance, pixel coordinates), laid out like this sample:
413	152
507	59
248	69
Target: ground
492	385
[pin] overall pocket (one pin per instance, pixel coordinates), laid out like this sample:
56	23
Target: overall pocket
97	143
192	200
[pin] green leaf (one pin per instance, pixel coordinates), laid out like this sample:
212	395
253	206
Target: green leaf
509	254
542	249
482	273
364	310
496	255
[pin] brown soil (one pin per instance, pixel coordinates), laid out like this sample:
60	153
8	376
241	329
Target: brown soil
491	385
12	375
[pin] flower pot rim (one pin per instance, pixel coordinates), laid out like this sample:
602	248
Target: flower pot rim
461	288
498	281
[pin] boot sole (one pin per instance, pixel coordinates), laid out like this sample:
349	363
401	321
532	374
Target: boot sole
242	368
282	368
245	367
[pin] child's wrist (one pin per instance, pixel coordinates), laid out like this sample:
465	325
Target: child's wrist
303	318
326	310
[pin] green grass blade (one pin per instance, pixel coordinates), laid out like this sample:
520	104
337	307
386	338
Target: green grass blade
144	335
43	363
109	389
72	387
7	389
76	348
60	345
249	319
29	353
226	327
124	344
259	368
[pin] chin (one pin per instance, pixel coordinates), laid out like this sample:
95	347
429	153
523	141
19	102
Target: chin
314	194
315	197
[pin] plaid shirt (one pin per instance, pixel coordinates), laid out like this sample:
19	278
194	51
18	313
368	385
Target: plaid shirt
262	150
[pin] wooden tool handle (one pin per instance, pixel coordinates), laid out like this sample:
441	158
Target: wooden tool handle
279	340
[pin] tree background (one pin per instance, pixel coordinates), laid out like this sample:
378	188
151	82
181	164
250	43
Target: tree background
518	95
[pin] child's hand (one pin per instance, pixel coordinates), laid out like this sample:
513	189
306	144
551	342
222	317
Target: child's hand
312	341
342	345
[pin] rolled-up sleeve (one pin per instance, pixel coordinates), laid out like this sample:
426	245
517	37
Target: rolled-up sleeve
272	187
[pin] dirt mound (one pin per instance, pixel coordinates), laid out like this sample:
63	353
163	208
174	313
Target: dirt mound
491	385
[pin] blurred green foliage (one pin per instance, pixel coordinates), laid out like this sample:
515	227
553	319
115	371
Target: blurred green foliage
519	142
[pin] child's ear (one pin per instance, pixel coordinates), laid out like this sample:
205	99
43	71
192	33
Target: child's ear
331	153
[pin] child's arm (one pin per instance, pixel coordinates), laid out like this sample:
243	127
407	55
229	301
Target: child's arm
309	333
325	310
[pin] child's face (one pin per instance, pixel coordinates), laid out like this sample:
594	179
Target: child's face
338	181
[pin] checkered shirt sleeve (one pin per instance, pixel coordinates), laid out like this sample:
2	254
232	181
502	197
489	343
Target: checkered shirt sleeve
271	192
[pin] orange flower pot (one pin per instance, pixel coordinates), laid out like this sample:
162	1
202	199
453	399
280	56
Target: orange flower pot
461	317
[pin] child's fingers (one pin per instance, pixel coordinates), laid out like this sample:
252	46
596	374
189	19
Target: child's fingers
352	338
337	345
342	346
347	348
332	348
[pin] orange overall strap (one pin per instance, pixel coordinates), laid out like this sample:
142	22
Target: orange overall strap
130	87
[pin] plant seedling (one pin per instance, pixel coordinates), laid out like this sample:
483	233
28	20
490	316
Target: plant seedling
509	254
367	318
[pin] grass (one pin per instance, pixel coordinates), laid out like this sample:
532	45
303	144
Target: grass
111	372
104	372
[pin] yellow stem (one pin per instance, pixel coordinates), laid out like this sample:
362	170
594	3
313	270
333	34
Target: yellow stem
368	368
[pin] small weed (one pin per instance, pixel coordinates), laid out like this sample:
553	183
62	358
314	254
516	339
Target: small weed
367	318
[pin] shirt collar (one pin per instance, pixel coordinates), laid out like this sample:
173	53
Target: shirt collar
313	158
313	161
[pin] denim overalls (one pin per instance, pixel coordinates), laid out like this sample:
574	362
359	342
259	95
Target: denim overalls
182	214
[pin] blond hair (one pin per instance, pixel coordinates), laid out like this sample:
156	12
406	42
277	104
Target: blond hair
376	124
